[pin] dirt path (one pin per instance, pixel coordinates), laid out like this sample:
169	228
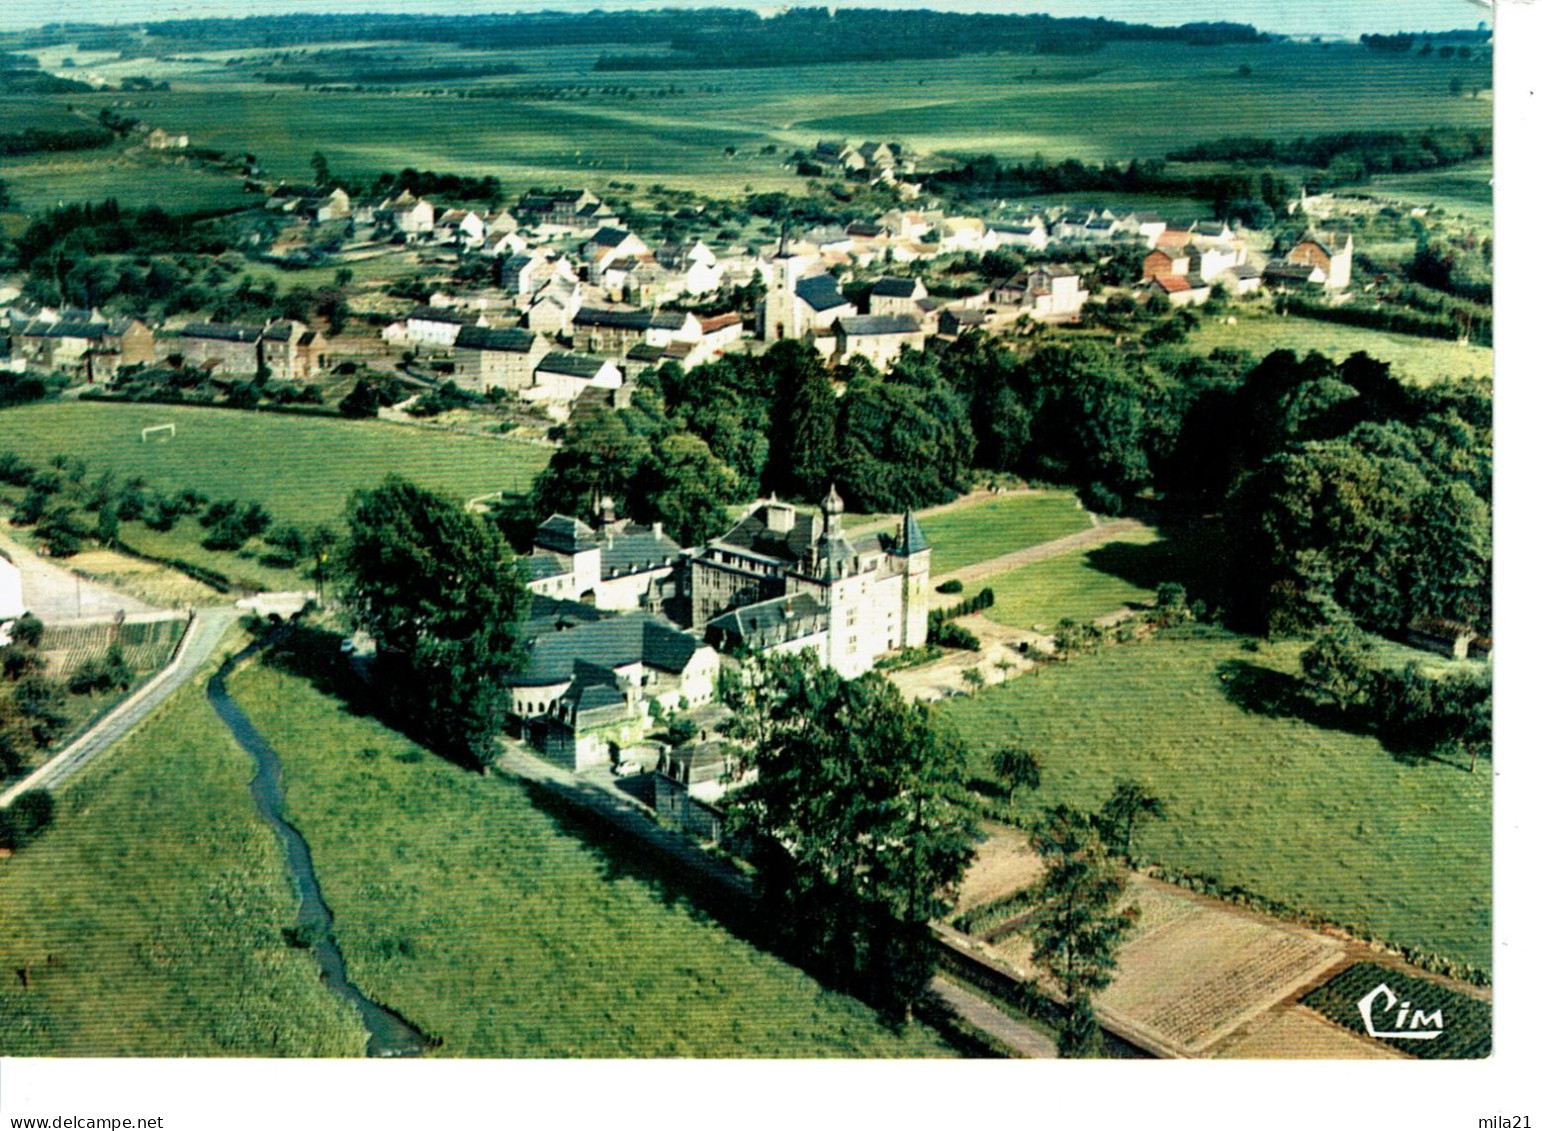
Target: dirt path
54	593
1110	530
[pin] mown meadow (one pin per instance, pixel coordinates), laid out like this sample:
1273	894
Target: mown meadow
1319	819
302	469
508	928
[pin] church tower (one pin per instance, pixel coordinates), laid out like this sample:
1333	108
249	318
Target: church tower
779	315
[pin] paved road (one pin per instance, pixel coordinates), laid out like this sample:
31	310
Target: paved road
57	595
203	636
982	1015
1112	530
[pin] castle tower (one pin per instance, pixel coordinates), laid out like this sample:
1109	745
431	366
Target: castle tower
916	552
832	507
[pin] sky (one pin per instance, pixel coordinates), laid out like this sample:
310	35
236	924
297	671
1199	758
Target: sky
1290	17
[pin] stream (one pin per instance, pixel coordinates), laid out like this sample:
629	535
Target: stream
389	1033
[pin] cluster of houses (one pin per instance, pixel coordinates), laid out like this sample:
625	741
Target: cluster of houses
89	345
628	626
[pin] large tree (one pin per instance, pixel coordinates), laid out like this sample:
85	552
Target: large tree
1080	922
438	589
857	842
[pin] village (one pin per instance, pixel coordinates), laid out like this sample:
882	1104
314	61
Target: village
708	602
582	305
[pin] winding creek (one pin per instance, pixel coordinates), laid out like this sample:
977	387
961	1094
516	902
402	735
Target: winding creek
389	1033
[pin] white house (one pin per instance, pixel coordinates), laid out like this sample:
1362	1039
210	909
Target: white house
437	327
561	376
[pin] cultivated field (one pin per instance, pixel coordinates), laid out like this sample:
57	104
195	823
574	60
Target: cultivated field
1322	820
462	901
1091	107
149	919
1191	973
146	646
1418	360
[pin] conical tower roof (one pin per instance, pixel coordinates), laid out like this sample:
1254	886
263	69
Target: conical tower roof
912	541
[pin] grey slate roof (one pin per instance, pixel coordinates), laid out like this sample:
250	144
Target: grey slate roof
539	566
889	287
621	319
635	550
821	292
863	325
912	540
571	364
751	533
444	314
610	642
771	622
497	341
222	331
564	535
610	237
41	329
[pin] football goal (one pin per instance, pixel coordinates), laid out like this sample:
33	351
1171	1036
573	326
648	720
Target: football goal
163	432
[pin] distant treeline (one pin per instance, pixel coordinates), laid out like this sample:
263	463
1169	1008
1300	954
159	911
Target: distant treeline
53	141
710	37
1375	152
387	75
818	35
78	230
19	74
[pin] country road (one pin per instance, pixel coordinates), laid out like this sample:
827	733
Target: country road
1113	530
1029	1042
202	638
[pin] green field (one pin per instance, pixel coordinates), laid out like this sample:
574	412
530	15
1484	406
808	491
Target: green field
1319	819
43	181
1418	360
1043	594
300	468
979	531
1093	107
509	931
149	919
1466	189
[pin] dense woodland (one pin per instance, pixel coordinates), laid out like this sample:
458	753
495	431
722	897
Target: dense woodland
1345	492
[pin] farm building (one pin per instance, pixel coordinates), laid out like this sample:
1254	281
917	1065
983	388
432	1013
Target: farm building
97	349
437	327
877	337
896	296
161	139
486	358
228	349
561	376
293	351
1331	253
